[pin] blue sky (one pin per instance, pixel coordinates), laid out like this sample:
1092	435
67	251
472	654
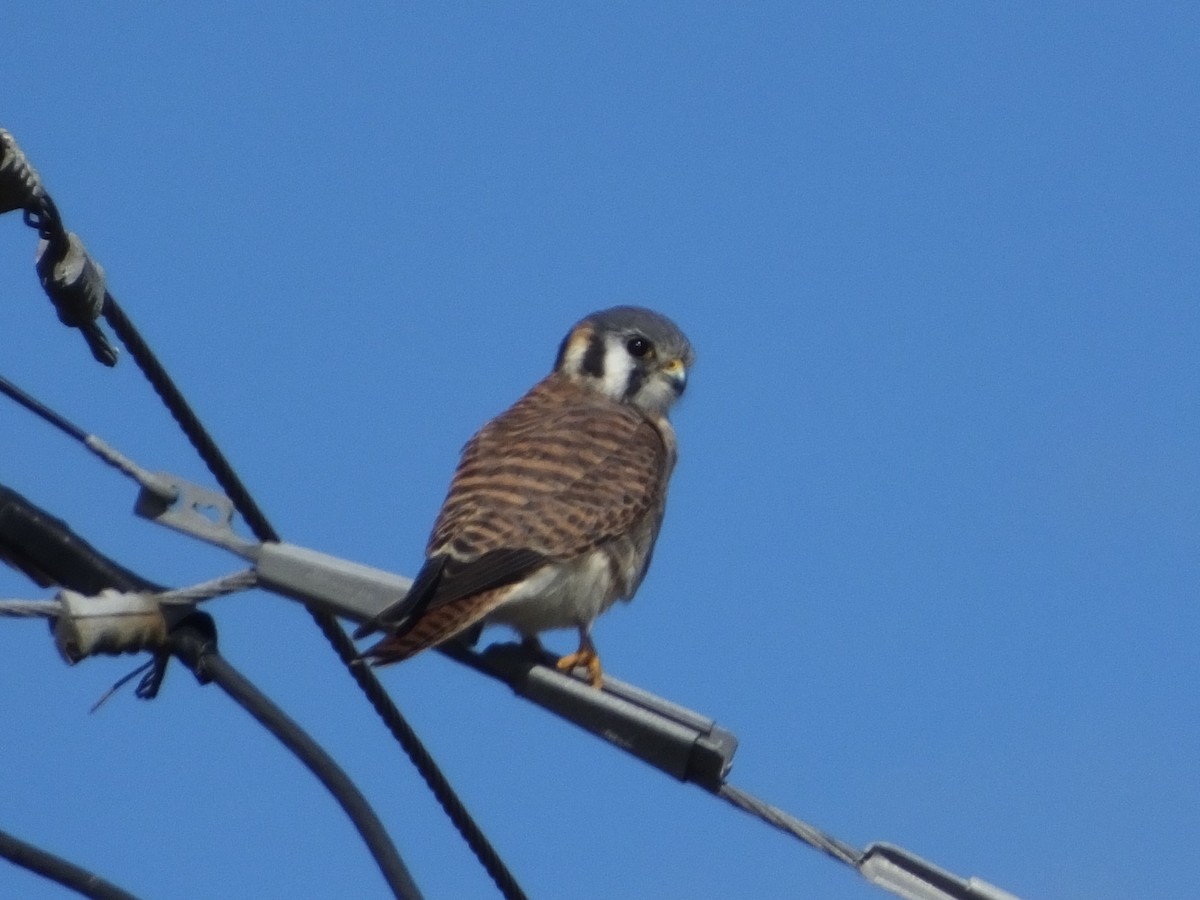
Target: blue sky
931	551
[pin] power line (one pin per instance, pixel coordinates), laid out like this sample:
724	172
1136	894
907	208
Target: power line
30	609
63	558
66	873
674	739
192	642
189	596
74	289
789	824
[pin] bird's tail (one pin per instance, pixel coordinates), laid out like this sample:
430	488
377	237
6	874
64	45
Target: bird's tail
434	627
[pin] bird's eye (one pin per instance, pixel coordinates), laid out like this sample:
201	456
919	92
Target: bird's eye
637	347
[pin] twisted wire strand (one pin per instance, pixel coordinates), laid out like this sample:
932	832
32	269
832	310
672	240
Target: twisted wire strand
777	818
205	590
30	609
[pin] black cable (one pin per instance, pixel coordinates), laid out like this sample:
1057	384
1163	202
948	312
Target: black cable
437	781
40	409
197	650
43	217
58	869
42	214
187	420
44	548
233	487
49	549
384	706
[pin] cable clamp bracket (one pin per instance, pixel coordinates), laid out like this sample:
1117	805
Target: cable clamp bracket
907	875
192	509
678	741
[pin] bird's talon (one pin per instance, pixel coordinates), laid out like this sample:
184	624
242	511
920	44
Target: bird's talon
595	673
569	662
587	659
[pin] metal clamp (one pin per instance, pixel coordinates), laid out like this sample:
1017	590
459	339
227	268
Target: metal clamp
907	875
675	740
72	279
188	507
335	585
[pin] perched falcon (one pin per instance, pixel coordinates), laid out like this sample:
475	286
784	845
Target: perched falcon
553	511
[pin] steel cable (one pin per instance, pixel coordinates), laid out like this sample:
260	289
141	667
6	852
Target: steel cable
233	487
789	824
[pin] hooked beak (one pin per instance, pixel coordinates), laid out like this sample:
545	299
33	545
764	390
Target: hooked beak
677	373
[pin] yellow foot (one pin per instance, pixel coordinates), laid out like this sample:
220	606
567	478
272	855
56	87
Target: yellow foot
590	660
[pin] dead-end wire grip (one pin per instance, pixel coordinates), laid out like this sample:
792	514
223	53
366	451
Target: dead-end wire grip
182	505
72	280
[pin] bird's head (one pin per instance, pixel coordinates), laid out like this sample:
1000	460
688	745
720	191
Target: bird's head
629	354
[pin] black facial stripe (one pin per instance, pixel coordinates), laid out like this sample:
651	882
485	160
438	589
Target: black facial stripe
637	377
593	358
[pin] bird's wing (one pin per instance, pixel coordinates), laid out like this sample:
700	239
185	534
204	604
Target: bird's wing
558	474
444	579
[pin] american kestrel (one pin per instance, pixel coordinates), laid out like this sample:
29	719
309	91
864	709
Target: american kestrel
555	506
